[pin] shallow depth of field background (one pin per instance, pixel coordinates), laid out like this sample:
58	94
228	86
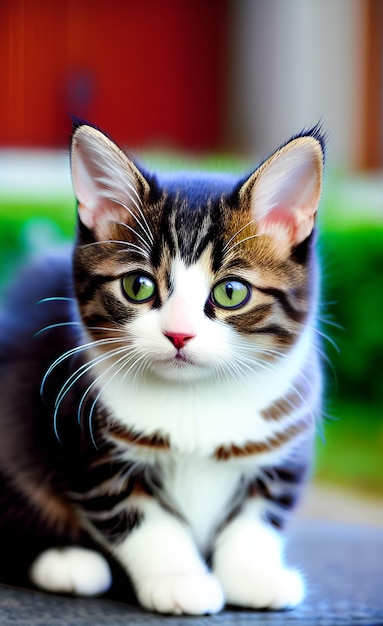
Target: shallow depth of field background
218	84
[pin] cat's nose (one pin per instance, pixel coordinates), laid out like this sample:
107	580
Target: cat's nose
178	339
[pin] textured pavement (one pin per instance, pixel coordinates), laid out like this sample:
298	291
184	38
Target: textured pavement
344	572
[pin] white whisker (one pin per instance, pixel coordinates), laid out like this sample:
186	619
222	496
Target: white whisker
255	363
236	234
42	330
238	243
324	319
75	376
124	359
144	226
133	230
55	299
127	244
328	338
327	360
76	350
80	371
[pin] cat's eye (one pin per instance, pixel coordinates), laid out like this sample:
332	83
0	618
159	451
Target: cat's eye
230	294
138	287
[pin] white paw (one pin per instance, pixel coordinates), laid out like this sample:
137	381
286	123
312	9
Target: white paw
71	570
264	589
191	594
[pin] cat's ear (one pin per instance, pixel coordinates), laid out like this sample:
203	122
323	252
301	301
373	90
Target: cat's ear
284	192
107	184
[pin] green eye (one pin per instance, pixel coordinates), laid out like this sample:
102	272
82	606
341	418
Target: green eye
138	287
230	294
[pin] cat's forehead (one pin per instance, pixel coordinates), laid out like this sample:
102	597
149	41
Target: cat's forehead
197	212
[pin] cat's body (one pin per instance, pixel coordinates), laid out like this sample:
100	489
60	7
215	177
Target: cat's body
161	403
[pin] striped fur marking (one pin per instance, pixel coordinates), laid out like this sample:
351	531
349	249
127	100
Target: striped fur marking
281	297
286	404
224	453
109	495
281	488
116	525
130	437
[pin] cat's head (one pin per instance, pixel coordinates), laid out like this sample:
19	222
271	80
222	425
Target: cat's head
191	275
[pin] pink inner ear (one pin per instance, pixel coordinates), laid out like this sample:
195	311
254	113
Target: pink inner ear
286	192
101	215
279	217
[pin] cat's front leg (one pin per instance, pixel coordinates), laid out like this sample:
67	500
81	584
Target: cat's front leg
165	567
248	561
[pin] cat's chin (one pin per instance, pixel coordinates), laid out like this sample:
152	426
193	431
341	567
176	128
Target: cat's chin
181	371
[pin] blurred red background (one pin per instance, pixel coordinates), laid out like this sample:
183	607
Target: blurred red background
148	71
200	75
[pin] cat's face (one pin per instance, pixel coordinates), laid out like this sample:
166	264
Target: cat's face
192	277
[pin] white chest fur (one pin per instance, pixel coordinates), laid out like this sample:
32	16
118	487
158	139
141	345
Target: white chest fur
202	490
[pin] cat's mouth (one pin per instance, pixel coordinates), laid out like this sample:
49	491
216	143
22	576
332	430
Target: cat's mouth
178	360
180	364
181	359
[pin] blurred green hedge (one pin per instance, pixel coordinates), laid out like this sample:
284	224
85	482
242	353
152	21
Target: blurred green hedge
30	226
352	293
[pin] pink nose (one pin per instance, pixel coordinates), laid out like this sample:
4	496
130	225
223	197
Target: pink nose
178	339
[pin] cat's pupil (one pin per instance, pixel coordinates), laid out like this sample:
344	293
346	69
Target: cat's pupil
229	291
138	284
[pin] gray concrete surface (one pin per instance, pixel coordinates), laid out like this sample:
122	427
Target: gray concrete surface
344	571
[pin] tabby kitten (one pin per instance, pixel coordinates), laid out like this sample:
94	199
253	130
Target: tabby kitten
160	389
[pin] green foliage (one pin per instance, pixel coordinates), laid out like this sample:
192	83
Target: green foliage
351	451
26	228
354	290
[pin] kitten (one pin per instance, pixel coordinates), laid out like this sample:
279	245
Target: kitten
160	389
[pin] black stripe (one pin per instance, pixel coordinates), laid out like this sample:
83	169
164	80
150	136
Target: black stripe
205	240
276	520
99	474
246	321
286	499
106	502
86	294
118	312
293	476
104	494
281	487
209	310
274	329
116	527
281	297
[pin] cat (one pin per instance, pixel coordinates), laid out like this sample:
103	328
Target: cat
160	384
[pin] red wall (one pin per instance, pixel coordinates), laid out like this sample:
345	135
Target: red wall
147	71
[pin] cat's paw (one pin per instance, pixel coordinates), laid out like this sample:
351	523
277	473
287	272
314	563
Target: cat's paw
190	594
71	570
263	589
